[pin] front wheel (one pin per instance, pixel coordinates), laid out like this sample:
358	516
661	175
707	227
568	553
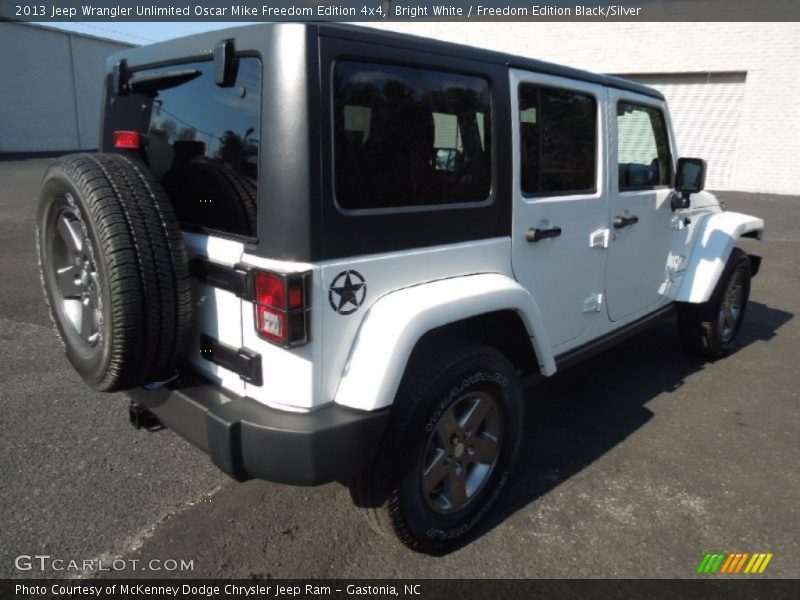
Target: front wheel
709	329
454	433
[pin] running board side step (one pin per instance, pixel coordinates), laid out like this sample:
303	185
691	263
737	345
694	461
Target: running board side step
581	353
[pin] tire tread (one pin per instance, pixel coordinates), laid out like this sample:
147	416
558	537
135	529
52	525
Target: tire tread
375	490
146	266
697	326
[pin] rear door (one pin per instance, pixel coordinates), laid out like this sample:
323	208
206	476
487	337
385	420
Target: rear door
641	165
560	223
203	143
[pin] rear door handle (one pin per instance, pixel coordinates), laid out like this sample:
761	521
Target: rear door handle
534	235
621	221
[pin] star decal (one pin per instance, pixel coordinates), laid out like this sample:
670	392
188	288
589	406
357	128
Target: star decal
347	293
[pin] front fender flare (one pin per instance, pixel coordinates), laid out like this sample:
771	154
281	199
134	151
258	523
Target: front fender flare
395	323
713	243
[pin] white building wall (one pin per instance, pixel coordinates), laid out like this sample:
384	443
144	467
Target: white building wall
767	157
50	88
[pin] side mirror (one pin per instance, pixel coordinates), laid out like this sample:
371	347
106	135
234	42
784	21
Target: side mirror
690	178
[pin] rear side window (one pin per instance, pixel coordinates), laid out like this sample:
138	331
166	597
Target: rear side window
204	144
558	140
409	137
642	147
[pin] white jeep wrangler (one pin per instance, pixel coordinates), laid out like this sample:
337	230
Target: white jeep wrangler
324	253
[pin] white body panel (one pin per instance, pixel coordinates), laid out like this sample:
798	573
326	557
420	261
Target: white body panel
289	376
397	321
386	274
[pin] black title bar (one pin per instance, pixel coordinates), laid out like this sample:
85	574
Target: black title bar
419	589
399	10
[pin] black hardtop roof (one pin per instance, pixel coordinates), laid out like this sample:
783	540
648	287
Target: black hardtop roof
367	34
160	51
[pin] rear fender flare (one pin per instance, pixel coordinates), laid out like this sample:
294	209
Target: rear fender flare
396	322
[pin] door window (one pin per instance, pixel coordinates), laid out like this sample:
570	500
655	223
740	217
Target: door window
642	147
558	140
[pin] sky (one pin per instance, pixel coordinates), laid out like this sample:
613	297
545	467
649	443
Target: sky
141	33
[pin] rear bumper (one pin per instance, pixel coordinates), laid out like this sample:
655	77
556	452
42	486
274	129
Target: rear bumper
249	440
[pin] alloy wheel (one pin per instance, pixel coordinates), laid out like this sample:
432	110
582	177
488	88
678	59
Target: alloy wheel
461	452
76	277
730	311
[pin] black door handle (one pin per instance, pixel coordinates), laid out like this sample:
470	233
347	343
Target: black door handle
534	235
620	222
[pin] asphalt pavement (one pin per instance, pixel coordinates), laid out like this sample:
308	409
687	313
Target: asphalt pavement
635	464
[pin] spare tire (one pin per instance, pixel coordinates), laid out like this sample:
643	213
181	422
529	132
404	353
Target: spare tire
114	270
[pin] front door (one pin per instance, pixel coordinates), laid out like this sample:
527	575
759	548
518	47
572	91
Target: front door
640	168
560	205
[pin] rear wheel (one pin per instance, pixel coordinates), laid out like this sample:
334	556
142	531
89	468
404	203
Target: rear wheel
452	437
114	270
709	329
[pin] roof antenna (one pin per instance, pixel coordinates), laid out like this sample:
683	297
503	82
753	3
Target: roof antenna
387	8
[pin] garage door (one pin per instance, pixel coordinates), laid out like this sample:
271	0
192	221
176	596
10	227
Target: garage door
705	110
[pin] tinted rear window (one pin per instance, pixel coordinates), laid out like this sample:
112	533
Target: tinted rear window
204	143
408	137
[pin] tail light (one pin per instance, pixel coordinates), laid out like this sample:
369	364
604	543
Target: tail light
128	140
282	307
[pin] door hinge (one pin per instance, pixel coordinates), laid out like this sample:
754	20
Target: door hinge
236	279
593	303
599	238
242	361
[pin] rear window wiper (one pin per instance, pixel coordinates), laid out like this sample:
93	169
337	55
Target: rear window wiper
150	83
